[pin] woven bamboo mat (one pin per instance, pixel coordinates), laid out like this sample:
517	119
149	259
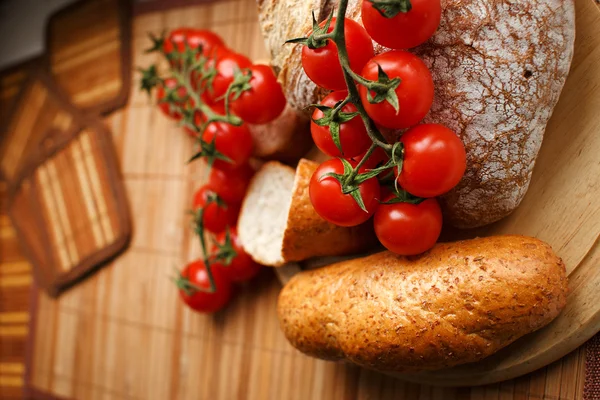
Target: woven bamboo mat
123	333
65	197
89	55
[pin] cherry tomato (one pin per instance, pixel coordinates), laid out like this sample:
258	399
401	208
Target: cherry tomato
226	64
235	142
434	160
405	30
323	66
353	134
165	107
408	229
336	207
242	267
194	38
203	301
264	101
216	217
231	185
206	40
176	40
415	92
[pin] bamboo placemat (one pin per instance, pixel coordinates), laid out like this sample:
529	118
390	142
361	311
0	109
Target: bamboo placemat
89	54
66	199
124	333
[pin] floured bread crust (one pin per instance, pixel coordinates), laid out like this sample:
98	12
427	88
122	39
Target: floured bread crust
498	68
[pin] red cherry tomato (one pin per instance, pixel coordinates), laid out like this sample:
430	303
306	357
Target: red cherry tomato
231	185
216	217
176	40
227	63
354	139
165	107
323	66
336	207
415	92
194	38
405	30
434	160
203	301
208	41
264	101
242	267
235	142
408	229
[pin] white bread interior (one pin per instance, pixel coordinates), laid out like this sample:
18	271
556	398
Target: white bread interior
264	213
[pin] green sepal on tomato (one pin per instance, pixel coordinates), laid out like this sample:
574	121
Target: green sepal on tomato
262	99
233	142
322	64
351	133
227	63
434	160
194	287
170	98
415	91
239	266
217	215
401	27
332	204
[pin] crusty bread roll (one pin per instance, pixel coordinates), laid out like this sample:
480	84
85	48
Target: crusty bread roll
278	223
287	138
458	303
498	68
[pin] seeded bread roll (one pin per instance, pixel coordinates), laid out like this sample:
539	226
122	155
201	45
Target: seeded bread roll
498	68
458	303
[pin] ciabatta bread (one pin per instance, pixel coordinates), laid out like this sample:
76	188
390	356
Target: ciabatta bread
278	224
498	68
458	303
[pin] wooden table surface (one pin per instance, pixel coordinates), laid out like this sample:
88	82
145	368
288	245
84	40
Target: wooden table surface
123	333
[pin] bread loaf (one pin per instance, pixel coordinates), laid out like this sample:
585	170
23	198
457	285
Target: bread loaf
278	223
458	303
498	68
286	138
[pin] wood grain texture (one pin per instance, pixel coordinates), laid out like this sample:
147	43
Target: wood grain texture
93	66
65	196
123	333
15	287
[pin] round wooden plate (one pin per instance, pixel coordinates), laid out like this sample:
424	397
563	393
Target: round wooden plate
562	207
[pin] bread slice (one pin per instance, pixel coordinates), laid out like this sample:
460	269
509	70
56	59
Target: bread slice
264	213
278	224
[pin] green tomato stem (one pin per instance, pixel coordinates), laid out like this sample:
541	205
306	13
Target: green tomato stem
350	76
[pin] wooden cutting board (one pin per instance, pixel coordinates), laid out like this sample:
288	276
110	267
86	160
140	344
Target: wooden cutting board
89	54
561	208
124	333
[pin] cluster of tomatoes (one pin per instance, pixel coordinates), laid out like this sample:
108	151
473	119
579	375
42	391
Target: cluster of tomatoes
257	97
429	160
254	97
